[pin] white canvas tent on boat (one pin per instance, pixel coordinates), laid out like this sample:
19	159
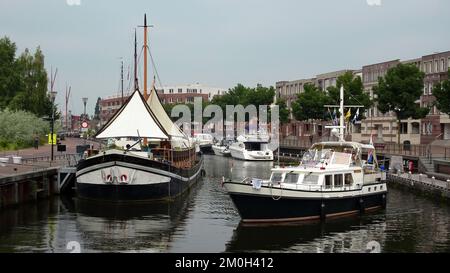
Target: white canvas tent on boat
179	138
134	119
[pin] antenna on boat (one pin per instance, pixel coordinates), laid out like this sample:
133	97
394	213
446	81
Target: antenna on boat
121	78
341	105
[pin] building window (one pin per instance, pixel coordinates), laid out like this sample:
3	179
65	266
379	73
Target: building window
403	128
180	90
442	65
415	126
436	67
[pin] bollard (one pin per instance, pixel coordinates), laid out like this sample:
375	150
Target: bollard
420	177
448	184
432	180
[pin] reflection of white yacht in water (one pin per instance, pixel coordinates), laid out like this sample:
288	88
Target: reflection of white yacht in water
164	168
332	179
254	147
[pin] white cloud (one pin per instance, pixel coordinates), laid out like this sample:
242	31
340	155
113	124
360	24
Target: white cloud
374	2
73	2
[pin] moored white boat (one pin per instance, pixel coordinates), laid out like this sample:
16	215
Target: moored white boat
204	142
252	147
222	148
161	164
333	179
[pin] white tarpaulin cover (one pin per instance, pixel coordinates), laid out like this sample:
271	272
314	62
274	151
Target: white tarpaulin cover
157	109
133	119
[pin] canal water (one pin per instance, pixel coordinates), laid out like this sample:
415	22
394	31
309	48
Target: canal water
205	220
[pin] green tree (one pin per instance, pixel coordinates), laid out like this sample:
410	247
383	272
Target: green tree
284	111
353	92
97	109
259	96
234	96
9	78
32	95
398	92
442	93
245	96
310	104
18	129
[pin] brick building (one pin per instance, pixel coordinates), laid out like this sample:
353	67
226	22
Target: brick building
435	126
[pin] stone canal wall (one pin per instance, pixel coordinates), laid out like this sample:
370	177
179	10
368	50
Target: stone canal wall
28	186
421	184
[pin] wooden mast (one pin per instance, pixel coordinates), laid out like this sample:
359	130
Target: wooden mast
67	102
146	95
145	58
136	86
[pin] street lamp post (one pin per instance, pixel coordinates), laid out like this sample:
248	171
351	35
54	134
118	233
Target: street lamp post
84	116
52	97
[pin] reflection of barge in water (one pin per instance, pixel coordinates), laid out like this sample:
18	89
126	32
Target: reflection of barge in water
116	227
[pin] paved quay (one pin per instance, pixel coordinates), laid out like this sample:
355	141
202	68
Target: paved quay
39	159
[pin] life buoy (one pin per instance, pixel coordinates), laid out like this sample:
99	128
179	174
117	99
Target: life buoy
108	178
123	178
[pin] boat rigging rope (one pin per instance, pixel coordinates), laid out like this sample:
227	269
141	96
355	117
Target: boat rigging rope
154	66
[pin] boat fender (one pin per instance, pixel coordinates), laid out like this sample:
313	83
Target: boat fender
323	213
361	205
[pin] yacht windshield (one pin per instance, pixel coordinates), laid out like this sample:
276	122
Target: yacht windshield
276	177
314	156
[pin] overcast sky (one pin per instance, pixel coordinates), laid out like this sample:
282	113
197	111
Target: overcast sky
220	42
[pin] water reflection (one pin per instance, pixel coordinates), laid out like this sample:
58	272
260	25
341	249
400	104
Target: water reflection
112	227
337	235
205	220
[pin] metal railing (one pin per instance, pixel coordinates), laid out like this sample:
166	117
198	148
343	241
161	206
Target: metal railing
415	150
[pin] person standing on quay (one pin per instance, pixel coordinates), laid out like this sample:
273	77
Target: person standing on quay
36	142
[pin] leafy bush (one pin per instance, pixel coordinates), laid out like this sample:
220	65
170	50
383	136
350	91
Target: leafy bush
18	129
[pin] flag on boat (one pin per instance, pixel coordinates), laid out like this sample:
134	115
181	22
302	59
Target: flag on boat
335	119
356	116
348	115
370	156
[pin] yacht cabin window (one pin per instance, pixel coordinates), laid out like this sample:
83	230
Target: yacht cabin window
328	181
276	177
348	179
338	180
311	179
291	178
